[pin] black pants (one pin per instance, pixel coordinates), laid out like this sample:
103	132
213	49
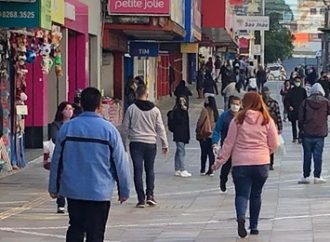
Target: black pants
225	170
272	159
143	153
206	151
60	201
87	217
295	133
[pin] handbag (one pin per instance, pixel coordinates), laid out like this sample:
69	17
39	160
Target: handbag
205	130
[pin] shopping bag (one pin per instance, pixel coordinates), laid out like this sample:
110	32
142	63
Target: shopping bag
281	151
48	149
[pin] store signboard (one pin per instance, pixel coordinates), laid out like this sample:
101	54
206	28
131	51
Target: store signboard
140	7
22	15
19	15
144	49
252	23
58	11
189	48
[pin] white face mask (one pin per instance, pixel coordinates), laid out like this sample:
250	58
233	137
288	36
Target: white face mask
297	84
234	107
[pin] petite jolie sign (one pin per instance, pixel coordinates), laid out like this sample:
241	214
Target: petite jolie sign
141	7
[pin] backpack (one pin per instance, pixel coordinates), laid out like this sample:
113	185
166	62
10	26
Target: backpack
170	120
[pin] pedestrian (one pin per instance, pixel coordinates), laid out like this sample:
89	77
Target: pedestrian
325	83
233	89
209	64
210	86
205	125
313	123
181	136
220	133
89	158
217	66
261	77
225	79
275	113
252	137
130	91
63	114
182	91
284	93
296	95
142	125
311	77
77	110
200	83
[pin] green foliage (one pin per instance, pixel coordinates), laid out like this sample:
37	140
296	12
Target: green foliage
278	40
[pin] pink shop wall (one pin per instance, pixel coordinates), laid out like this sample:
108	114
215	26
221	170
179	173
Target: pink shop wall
78	59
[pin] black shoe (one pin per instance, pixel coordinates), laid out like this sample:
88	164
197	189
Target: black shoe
294	141
254	231
151	201
299	141
223	187
141	204
241	228
271	167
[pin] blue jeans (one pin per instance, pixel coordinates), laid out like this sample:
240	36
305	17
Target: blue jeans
143	154
249	181
180	154
313	147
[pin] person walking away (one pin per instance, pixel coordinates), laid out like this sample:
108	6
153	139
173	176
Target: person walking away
275	113
181	136
252	137
142	125
225	79
63	114
88	160
206	120
182	91
217	66
324	81
313	123
210	86
294	99
220	133
284	92
261	78
200	83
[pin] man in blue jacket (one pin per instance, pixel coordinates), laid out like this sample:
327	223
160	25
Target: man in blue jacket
88	160
220	133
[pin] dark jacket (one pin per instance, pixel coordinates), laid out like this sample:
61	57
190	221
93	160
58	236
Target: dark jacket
55	127
313	116
261	76
181	131
295	97
210	86
274	111
182	91
326	86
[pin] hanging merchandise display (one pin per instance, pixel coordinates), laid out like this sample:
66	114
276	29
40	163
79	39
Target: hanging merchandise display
57	55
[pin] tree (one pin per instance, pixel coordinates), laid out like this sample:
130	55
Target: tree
278	40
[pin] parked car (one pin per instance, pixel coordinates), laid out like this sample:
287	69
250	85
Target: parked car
275	72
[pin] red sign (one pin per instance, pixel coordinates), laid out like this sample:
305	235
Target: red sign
142	7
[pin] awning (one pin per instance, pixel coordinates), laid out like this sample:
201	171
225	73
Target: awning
219	37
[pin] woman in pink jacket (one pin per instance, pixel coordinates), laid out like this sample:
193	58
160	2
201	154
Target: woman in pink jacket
252	137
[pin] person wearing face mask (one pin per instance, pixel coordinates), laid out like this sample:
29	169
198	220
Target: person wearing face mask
63	114
294	99
274	111
208	114
220	133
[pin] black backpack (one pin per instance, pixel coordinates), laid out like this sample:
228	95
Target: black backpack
170	120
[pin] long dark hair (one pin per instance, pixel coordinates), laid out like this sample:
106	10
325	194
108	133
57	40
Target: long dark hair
213	105
59	113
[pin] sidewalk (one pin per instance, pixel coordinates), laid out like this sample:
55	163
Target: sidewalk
190	209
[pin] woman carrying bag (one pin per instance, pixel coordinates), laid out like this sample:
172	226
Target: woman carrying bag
205	124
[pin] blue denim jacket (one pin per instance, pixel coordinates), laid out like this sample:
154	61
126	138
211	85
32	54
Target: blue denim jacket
89	158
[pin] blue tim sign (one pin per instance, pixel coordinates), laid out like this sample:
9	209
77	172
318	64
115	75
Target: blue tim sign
144	49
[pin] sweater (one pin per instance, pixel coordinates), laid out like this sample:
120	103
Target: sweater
250	143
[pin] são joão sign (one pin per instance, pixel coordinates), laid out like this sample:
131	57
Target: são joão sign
141	7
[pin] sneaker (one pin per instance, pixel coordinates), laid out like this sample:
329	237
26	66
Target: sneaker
203	173
241	228
319	180
141	204
304	180
294	141
151	201
254	231
210	173
177	173
223	187
185	174
61	210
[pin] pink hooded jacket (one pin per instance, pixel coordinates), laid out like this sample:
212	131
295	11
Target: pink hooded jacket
250	143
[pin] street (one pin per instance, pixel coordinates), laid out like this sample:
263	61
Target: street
189	209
